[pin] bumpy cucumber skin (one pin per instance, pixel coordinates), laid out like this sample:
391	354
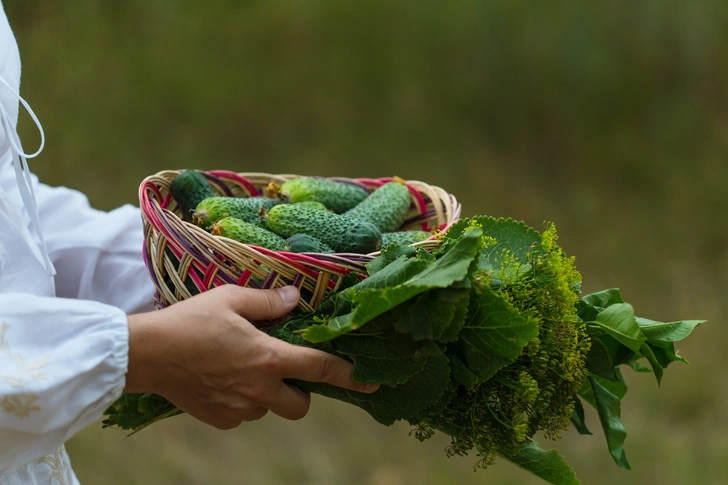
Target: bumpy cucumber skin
190	188
247	209
303	243
312	204
386	207
403	238
343	234
247	233
336	196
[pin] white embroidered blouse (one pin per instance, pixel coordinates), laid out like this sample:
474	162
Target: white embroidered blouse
69	275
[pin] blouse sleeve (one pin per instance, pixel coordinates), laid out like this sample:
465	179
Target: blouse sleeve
62	363
97	254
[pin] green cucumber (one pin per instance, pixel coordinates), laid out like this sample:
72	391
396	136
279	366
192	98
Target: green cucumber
386	207
245	208
336	196
303	243
404	238
247	233
189	189
343	234
312	204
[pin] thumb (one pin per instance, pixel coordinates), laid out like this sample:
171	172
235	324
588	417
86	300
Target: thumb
255	304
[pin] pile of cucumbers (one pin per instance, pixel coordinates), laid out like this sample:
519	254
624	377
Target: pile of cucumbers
307	215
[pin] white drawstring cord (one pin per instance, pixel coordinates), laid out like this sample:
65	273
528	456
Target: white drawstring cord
22	170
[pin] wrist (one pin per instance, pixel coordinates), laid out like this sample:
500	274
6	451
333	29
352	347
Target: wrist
143	367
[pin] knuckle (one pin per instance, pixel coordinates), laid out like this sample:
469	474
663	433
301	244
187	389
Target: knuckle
271	302
270	359
327	370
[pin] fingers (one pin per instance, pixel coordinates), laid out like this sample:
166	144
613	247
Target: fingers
261	304
289	402
316	366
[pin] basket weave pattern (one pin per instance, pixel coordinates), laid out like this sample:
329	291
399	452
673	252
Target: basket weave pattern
182	257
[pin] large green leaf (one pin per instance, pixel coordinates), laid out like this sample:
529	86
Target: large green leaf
391	289
387	359
590	305
608	409
618	320
508	242
494	334
667	332
390	404
427	316
598	360
548	465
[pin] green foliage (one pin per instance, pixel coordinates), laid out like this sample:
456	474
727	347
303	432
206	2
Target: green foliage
619	338
485	340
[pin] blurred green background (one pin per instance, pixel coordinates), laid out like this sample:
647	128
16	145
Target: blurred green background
608	118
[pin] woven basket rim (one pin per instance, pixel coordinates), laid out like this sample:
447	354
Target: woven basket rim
198	251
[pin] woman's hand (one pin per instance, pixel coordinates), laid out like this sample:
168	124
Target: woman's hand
208	360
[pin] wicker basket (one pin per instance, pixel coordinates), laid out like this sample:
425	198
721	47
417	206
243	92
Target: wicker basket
184	259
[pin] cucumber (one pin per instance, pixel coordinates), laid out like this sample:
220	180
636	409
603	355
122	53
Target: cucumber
189	189
245	208
343	234
336	196
386	207
312	204
303	243
404	238
247	233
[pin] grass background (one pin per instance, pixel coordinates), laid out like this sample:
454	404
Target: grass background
608	118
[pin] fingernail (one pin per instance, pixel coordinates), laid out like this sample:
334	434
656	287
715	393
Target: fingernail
289	294
371	387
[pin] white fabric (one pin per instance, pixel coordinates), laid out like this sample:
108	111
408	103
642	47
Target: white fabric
63	339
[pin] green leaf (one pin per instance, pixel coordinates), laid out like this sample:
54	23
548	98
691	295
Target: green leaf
618	353
652	359
508	242
391	288
389	255
494	334
608	409
427	316
389	404
665	353
618	321
618	387
590	305
461	373
461	302
548	465
436	408
384	359
604	298
577	417
637	366
667	332
598	360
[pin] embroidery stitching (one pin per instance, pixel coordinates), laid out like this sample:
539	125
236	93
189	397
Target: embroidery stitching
23	403
58	462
